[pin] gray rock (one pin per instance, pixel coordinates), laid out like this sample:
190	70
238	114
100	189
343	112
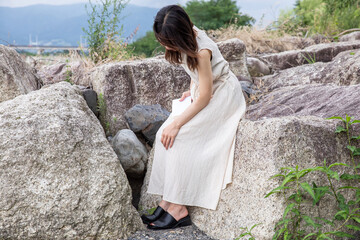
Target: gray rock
184	233
234	51
247	87
16	76
146	119
304	100
350	37
262	148
344	69
149	81
75	72
319	38
90	97
59	176
320	53
131	153
257	68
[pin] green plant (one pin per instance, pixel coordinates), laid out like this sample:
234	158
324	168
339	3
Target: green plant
327	17
296	191
247	232
310	59
68	73
104	34
102	108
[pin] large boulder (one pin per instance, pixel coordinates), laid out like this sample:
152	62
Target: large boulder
262	148
16	76
350	37
74	72
344	69
316	53
149	81
59	176
304	100
234	51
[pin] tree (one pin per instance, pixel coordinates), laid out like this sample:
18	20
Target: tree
147	45
104	33
329	17
214	14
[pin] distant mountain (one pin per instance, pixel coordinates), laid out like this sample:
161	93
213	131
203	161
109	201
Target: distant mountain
61	25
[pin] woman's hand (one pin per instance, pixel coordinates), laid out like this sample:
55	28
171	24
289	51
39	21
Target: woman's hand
185	95
168	135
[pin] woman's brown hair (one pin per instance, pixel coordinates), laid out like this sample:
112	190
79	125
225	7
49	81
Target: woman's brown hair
173	28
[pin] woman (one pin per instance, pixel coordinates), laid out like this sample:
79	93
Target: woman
193	155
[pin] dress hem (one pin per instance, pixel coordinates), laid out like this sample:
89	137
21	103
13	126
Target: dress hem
183	203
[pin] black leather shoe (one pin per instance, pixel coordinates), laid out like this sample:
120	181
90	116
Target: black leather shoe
159	211
166	221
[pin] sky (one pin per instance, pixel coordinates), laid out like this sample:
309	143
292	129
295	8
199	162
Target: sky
255	8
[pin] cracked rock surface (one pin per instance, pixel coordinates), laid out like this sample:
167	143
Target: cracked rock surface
59	176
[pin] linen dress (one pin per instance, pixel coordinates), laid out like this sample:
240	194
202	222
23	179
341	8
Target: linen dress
199	164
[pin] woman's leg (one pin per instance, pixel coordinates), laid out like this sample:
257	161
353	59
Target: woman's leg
164	204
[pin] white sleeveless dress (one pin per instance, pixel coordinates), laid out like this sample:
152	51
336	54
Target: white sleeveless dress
199	164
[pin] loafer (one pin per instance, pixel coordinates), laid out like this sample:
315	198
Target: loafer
159	211
166	221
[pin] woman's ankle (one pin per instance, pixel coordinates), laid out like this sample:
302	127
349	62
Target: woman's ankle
178	211
164	205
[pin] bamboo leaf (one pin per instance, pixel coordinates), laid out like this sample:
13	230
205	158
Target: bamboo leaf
339	164
347	176
254	226
355	137
336	117
340	129
348	187
342	214
326	221
348	118
311	222
287	179
356	219
342	234
277	175
288	208
351	148
357	152
309	235
308	189
356	228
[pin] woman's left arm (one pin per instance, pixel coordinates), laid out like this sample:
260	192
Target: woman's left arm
205	91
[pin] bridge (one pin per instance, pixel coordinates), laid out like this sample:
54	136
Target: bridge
41	49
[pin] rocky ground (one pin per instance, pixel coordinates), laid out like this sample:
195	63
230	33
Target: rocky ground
65	173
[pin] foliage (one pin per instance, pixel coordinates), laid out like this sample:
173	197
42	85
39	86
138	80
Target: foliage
328	17
147	45
104	33
310	59
214	14
296	191
247	232
68	73
102	108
